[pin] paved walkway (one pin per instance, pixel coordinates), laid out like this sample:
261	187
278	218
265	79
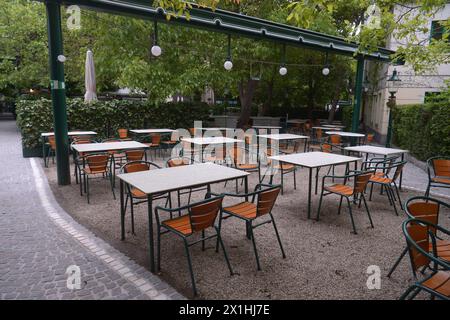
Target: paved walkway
39	242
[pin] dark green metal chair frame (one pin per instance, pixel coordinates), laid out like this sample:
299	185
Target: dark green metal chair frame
431	183
412	216
84	176
129	194
185	237
353	175
418	286
249	222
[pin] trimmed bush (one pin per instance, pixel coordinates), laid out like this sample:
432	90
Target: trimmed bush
105	117
347	114
423	129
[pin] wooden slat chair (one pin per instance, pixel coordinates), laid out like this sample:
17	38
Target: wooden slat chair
360	180
200	218
387	180
78	158
438	173
282	167
51	150
336	142
261	205
117	157
292	148
427	209
97	164
420	236
135	195
245	160
134	155
155	143
178	162
169	142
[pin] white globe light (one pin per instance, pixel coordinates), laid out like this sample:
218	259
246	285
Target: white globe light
156	51
325	71
61	58
228	65
283	71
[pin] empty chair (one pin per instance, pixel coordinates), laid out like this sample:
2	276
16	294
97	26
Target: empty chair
427	209
420	236
336	142
245	160
96	164
135	195
438	173
134	155
78	158
252	212
384	177
282	167
360	180
51	150
200	219
155	143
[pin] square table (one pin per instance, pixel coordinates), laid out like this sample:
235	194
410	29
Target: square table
269	128
158	181
313	160
45	135
379	151
285	136
345	134
209	141
105	147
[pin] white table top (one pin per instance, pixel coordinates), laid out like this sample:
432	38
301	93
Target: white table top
346	134
170	179
266	127
296	121
147	131
333	126
326	128
210	140
314	159
218	129
71	133
282	136
376	150
108	146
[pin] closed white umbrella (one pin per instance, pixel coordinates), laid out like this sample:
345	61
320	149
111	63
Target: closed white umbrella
89	78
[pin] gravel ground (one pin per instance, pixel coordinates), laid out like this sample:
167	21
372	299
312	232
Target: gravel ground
324	259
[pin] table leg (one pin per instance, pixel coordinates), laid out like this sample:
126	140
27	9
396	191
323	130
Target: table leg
150	232
401	174
44	156
309	193
122	213
306	145
247	225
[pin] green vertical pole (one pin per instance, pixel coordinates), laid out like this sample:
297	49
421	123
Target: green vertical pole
57	85
358	93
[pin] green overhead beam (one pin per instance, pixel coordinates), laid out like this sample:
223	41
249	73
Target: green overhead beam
233	23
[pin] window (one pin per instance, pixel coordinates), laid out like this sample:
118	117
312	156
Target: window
438	30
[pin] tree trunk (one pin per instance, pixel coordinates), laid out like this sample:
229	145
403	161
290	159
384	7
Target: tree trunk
268	103
246	93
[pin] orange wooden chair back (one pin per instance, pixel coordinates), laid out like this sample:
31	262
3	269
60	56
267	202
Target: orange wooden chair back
134	155
202	216
361	182
370	137
426	211
266	201
178	162
123	133
97	163
441	167
52	142
419	234
326	147
398	170
335	139
136	167
156	139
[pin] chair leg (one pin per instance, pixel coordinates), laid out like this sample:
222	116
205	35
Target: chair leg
87	186
340	205
282	182
219	238
398	196
190	265
295	181
132	215
320	205
203	241
389	190
254	246
371	191
351	215
112	185
408	291
397	262
427	192
367	208
278	236
158	248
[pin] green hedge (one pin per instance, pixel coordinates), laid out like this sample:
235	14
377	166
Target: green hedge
105	117
423	129
347	114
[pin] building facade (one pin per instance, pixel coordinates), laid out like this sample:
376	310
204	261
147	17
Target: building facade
412	89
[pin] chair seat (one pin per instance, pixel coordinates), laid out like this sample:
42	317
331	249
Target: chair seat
443	249
249	166
441	180
439	282
138	194
90	171
380	178
181	224
340	189
246	210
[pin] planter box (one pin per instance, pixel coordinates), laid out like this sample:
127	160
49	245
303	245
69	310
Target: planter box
32	152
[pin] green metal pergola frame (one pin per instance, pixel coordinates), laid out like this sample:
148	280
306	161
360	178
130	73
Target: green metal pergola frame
202	18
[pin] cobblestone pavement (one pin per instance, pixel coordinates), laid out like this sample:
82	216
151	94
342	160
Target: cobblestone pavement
39	241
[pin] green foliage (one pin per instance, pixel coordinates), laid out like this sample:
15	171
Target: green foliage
423	129
347	114
105	117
